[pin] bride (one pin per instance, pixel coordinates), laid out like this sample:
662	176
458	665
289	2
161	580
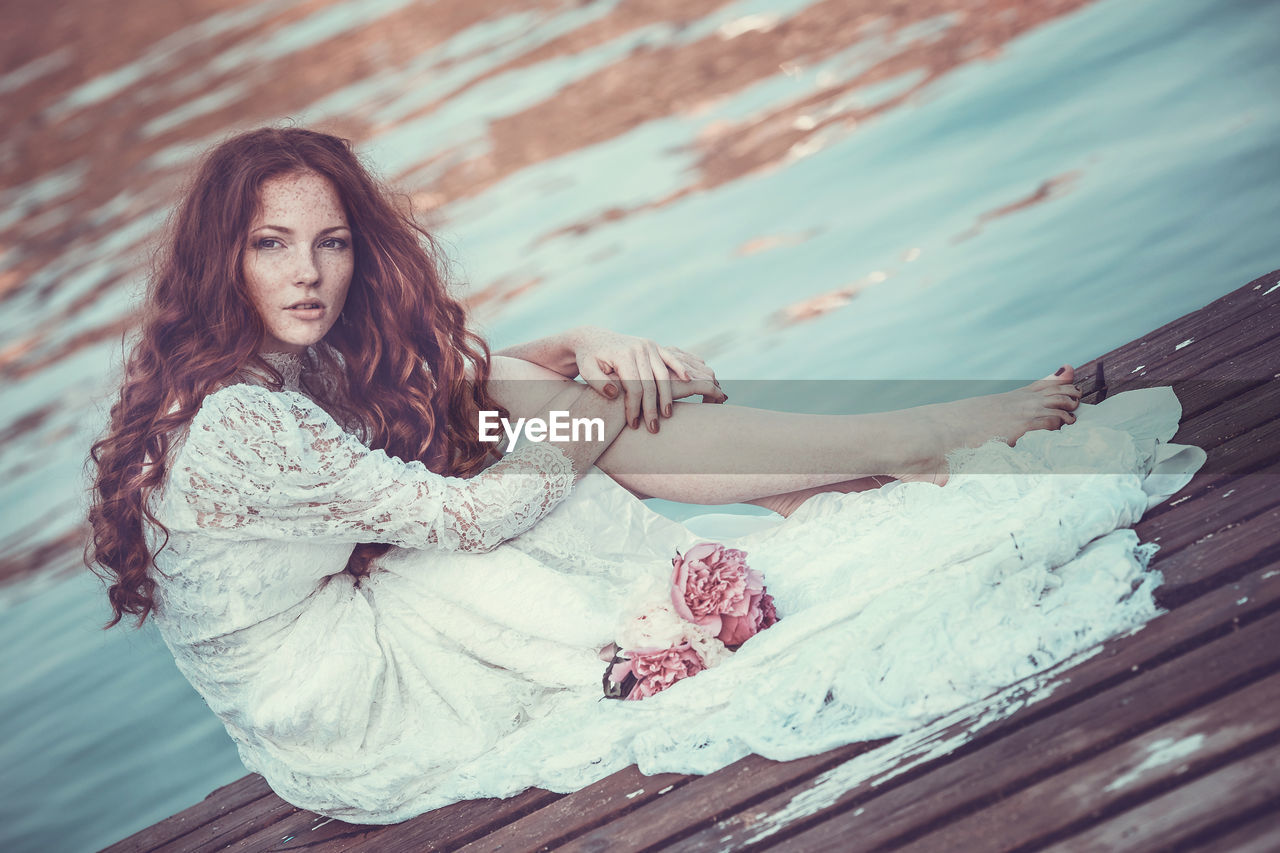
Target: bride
389	613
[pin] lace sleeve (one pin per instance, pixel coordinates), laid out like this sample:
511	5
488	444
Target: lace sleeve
260	464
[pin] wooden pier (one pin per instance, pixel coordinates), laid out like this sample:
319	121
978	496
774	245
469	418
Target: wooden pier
1167	739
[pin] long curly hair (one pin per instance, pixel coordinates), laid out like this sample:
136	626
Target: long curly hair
399	356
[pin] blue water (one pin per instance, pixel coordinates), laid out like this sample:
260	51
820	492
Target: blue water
1163	117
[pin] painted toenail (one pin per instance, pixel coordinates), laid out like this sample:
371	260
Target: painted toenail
1058	372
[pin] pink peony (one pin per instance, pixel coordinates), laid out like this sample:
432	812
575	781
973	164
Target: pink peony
736	630
656	669
711	581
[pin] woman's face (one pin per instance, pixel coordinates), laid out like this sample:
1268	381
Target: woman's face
298	260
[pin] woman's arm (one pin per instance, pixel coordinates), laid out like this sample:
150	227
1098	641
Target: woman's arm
557	352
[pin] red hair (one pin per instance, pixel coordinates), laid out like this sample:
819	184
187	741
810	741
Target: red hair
400	355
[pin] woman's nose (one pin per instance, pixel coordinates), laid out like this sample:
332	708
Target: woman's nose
306	272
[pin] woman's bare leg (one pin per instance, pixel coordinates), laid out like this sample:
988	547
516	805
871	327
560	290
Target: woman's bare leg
716	454
788	502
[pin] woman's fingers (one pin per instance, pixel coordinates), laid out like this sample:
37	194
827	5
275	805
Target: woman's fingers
705	378
706	388
648	391
696	364
633	392
594	373
662	378
673	358
701	382
647	376
640	396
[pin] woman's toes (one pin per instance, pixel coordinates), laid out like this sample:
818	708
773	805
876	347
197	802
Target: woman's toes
1065	376
1060	400
1046	422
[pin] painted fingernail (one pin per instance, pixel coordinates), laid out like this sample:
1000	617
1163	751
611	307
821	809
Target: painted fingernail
610	391
653	427
1058	372
635	423
666	410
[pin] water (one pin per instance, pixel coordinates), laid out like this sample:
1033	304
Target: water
781	226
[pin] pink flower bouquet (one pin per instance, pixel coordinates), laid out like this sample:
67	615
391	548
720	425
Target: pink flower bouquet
649	671
717	603
712	586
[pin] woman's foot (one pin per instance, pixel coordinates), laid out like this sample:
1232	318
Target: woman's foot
1046	404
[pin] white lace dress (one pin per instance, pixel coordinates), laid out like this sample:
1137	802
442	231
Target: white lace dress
467	664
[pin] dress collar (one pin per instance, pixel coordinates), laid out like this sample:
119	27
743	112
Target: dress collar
289	365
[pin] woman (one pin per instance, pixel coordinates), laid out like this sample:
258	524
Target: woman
389	614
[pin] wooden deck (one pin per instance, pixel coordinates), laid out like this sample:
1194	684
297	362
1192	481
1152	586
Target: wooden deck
1168	739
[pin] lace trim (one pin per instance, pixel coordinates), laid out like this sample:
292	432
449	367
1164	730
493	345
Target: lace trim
289	365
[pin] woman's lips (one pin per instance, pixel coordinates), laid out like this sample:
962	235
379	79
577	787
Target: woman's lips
307	310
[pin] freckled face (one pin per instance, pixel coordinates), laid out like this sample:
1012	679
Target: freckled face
298	261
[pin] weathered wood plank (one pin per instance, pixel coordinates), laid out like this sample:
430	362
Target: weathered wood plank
1044	753
1237	834
1231	418
1237	375
1224	313
1207	486
1216	411
1237	498
1251	453
701	800
236	825
1205	400
1186	748
1214	379
576	813
1210	358
1242	787
453	826
212	808
1239	548
1219	318
446	829
1168	636
303	829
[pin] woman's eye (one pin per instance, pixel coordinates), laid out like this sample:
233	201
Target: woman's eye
334	243
268	243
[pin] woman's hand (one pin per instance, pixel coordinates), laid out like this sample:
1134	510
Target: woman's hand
645	371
